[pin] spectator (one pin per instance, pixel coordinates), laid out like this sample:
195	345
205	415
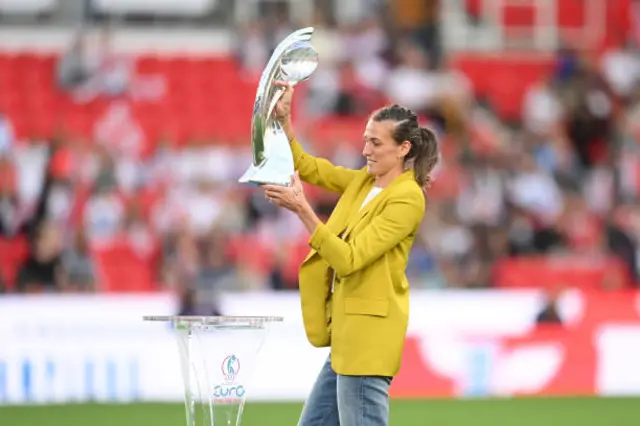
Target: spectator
109	73
589	115
542	109
78	267
42	271
621	69
252	49
412	83
78	64
9	208
6	135
535	191
549	313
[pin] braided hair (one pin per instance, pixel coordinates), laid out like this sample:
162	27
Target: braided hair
423	155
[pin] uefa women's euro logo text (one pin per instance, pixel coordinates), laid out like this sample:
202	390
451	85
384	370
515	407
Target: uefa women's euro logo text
229	392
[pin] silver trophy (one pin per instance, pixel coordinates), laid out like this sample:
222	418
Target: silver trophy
293	61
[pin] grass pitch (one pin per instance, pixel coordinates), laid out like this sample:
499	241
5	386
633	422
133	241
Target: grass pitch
489	412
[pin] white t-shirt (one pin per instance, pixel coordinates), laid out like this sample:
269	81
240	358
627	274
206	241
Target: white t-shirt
370	196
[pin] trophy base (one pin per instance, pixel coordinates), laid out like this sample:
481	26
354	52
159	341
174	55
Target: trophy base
278	168
250	178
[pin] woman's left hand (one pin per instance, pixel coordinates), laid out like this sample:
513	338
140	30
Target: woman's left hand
290	197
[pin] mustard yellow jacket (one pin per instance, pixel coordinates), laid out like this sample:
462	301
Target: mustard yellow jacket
364	319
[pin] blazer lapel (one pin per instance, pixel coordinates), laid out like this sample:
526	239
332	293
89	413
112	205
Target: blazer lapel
361	214
372	204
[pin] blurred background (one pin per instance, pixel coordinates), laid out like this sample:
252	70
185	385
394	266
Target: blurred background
125	124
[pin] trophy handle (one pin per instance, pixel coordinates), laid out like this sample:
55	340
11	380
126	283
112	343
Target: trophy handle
278	94
276	97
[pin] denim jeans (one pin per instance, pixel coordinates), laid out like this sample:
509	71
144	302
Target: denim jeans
338	400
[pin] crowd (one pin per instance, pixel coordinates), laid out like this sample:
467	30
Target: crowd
563	180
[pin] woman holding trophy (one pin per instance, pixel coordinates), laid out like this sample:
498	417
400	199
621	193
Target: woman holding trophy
353	287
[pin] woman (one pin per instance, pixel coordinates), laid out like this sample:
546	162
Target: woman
353	288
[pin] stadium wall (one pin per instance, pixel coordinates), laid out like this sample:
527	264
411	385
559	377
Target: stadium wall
60	349
160	41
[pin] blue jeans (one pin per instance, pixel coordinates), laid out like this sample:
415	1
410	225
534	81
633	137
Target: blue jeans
338	400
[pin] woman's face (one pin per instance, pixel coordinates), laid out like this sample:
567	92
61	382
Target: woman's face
381	151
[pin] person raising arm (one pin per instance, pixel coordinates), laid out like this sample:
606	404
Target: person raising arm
353	288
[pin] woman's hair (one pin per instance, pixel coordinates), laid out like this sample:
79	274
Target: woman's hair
423	154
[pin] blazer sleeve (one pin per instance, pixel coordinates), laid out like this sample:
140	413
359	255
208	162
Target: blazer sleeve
320	172
398	219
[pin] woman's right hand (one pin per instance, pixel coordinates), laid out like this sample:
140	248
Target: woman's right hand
283	107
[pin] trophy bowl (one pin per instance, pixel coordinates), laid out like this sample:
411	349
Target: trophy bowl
294	60
298	62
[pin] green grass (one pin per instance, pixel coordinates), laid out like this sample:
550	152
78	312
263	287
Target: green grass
495	412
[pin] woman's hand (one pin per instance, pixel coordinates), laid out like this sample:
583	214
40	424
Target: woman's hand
290	197
283	107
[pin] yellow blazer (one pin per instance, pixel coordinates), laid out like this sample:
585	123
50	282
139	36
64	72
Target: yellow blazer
364	319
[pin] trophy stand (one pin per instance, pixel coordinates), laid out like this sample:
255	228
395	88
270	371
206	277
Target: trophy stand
217	355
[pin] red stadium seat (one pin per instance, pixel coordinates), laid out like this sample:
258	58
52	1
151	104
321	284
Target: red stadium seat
212	94
572	14
519	15
123	269
510	76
